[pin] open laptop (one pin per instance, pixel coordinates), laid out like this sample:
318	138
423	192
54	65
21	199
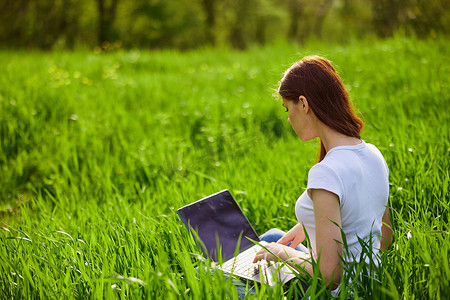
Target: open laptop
222	228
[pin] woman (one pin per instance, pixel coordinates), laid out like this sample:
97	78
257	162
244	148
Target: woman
347	189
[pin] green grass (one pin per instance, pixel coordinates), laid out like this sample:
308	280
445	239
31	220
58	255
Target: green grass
98	151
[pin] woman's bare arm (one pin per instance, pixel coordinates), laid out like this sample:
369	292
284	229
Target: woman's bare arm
327	217
386	230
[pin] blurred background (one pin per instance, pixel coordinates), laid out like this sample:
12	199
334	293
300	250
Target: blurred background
188	24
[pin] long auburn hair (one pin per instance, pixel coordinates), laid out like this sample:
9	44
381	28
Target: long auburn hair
316	79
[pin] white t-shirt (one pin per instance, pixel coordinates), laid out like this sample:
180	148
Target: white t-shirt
358	175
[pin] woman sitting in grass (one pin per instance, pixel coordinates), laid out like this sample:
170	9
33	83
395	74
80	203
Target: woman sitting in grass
347	189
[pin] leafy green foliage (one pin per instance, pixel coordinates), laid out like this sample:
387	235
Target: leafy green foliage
192	24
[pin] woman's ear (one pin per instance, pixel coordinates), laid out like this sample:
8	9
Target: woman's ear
304	103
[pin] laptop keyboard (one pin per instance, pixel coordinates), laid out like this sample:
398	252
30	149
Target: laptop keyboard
242	265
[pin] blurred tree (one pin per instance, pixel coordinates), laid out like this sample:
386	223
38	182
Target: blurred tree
323	7
263	15
41	24
295	9
238	27
422	17
252	21
13	18
162	24
353	18
106	15
386	16
184	24
427	17
209	7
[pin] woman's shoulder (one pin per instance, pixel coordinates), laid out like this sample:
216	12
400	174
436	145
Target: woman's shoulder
343	159
362	150
346	160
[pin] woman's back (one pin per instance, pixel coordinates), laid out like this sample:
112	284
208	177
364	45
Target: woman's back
358	175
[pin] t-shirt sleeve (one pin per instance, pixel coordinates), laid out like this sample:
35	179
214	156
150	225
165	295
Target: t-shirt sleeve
325	178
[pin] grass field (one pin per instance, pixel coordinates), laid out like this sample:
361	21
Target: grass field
97	151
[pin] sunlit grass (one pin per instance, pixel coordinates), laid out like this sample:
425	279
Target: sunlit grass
98	151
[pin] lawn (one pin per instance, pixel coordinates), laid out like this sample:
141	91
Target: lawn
98	150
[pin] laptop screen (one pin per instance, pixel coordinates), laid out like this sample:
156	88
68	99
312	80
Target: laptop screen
219	218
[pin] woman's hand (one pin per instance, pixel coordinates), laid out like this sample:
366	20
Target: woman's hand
278	252
275	252
294	236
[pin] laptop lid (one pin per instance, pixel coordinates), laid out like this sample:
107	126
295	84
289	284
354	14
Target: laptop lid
218	217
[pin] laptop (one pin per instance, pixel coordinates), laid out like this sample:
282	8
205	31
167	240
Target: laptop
221	230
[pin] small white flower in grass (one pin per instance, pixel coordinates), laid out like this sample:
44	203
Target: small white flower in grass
406	180
240	89
399	189
217	164
128	280
408	235
210	139
410	149
391	144
240	192
74	117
